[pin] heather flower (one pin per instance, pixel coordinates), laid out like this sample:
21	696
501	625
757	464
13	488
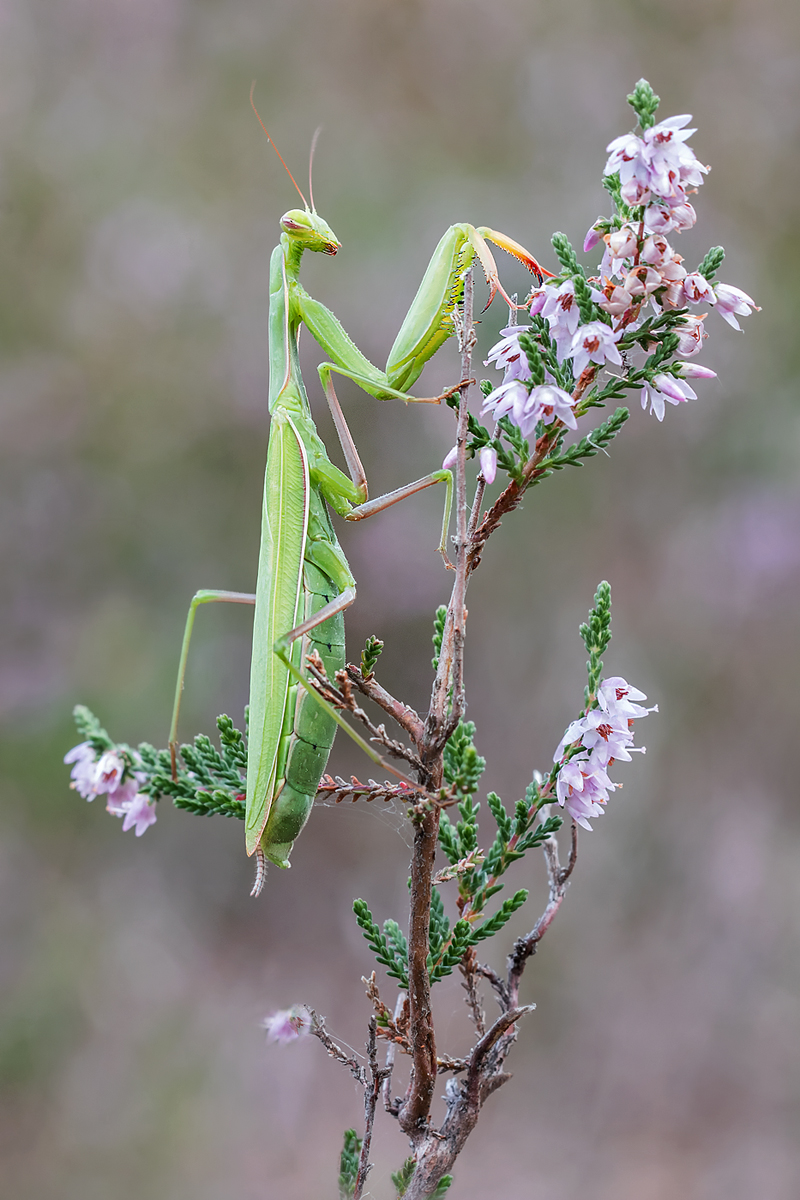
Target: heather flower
526	409
508	356
140	813
665	388
642	281
488	461
657	165
560	310
593	342
695	371
509	399
730	300
554	403
616	300
449	460
606	737
83	769
667	219
108	773
656	250
582	788
691	335
118	801
287	1025
615	696
697	289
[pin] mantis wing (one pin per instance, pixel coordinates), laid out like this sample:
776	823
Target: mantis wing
280	570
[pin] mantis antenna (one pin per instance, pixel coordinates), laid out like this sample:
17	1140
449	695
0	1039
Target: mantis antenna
275	148
314	141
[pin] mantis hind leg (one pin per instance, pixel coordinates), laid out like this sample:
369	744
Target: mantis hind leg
206	596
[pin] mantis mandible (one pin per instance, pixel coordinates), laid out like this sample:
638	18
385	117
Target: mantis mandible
304	582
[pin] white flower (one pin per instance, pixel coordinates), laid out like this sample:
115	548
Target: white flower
665	387
615	696
508	356
730	300
593	342
560	309
691	335
697	289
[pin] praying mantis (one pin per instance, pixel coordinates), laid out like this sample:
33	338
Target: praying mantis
304	583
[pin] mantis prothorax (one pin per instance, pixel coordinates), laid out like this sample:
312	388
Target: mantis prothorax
304	582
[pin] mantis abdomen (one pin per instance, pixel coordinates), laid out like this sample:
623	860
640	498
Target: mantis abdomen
308	729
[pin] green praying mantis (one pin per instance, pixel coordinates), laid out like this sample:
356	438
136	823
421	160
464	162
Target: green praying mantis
304	583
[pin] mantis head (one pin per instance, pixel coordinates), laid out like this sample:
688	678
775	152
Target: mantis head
310	231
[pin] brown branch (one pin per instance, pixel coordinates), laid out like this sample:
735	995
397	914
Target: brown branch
346	701
558	878
333	787
469	969
334	1049
416	1105
444	713
403	714
371	1093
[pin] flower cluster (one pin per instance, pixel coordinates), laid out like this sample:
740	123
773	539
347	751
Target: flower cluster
636	306
591	744
110	776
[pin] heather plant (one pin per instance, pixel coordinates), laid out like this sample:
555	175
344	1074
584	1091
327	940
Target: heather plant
586	341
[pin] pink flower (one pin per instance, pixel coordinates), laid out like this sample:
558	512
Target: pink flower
665	387
525	409
691	335
108	773
582	788
120	799
666	218
83	770
697	289
615	696
695	371
730	300
140	813
560	309
593	342
450	459
488	461
287	1025
606	737
508	356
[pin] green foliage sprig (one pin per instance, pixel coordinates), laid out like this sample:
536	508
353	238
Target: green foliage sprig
596	634
348	1164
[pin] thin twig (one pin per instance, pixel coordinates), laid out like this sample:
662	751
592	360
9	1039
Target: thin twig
371	1092
403	714
469	969
333	787
558	878
393	1106
334	1049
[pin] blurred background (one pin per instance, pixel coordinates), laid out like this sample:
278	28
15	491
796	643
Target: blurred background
139	204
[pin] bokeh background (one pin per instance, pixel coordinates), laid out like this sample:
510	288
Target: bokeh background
139	203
